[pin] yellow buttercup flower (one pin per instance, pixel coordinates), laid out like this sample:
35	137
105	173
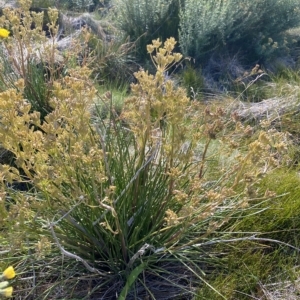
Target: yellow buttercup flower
4	33
7	292
9	273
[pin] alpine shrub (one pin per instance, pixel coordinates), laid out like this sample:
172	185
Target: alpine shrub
256	27
144	20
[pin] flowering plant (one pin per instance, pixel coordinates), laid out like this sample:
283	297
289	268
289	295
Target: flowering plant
4	33
5	290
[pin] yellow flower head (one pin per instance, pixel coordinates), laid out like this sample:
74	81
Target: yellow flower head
7	292
156	43
9	273
150	48
4	33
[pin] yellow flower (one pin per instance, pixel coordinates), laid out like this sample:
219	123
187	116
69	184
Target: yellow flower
4	33
7	292
150	48
9	273
156	43
177	57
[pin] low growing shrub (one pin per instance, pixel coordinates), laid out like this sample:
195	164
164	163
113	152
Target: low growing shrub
256	28
144	20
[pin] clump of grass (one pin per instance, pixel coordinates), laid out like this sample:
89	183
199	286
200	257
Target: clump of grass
111	99
248	85
284	227
192	79
284	82
112	60
246	270
131	199
249	266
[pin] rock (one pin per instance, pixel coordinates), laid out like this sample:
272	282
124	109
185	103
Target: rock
8	3
269	109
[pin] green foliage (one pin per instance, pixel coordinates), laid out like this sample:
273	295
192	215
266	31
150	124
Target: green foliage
112	99
283	83
38	89
285	183
27	61
81	5
73	5
193	81
112	61
251	86
283	75
253	92
245	264
145	20
39	64
250	270
257	28
130	200
136	199
43	3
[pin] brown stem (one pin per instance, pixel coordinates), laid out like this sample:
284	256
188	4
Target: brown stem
200	175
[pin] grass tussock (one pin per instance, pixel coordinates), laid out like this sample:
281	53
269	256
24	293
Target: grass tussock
142	193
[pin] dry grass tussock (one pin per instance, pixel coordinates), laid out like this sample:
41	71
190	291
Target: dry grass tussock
287	290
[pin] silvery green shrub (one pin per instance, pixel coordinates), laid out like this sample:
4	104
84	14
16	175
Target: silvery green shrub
255	27
145	20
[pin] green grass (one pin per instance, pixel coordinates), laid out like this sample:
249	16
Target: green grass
247	266
111	98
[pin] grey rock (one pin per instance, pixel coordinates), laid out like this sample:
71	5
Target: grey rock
8	3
